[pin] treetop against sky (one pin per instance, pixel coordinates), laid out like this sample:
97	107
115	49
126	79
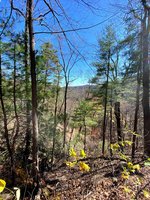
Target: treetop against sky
83	23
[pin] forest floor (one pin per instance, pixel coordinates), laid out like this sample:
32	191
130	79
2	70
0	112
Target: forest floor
97	184
102	182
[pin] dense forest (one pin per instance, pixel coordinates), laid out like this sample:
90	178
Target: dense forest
60	139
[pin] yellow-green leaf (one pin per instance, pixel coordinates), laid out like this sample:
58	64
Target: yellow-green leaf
83	166
128	142
130	165
70	164
72	153
125	175
122	143
123	156
136	167
114	146
147	163
82	154
138	135
2	185
146	194
127	190
139	181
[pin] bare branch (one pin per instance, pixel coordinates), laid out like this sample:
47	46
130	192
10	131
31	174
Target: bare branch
43	15
62	30
91	7
76	29
5	25
16	9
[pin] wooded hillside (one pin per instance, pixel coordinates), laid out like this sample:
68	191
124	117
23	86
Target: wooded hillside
74	99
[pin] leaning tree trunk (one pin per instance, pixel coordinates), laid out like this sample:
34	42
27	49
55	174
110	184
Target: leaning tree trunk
65	113
34	95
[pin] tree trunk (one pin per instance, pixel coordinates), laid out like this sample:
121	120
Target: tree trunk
118	120
137	99
55	120
70	138
14	99
34	95
105	106
65	112
146	79
110	130
27	79
136	114
85	133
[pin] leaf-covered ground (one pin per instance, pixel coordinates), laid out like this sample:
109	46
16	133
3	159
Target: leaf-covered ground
99	183
102	182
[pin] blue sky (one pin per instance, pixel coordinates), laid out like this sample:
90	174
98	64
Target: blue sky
102	12
106	12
